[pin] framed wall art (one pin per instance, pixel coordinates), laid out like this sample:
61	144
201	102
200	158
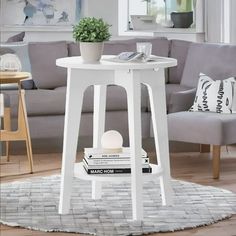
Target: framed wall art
40	12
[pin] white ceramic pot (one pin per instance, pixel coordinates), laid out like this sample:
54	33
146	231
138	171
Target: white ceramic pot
91	52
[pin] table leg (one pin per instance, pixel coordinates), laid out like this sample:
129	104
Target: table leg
23	127
74	99
98	128
156	89
7	126
133	89
99	113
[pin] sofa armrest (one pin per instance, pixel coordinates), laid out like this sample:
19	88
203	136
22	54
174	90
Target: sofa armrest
181	101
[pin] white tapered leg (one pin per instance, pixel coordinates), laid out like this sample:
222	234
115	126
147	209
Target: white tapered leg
98	128
132	85
156	89
74	99
99	114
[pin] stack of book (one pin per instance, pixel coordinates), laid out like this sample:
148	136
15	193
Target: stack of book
97	162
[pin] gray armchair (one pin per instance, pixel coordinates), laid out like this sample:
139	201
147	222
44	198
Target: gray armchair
217	61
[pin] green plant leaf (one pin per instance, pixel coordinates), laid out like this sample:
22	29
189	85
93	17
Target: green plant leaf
91	29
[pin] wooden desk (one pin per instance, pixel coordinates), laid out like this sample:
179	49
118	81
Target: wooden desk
22	133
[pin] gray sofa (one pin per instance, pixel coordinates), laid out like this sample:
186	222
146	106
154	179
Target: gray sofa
45	93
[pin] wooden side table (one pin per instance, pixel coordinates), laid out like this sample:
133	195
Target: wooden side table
22	133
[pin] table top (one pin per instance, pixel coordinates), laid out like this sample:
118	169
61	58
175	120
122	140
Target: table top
7	77
106	64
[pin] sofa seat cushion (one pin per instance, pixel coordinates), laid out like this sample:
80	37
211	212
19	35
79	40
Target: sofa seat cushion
43	102
45	73
215	60
202	127
39	102
116	98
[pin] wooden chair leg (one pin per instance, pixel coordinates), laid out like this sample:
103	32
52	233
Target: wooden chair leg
205	148
7	150
7	126
216	161
24	127
29	154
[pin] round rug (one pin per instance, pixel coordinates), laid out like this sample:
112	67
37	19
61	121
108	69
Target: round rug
33	204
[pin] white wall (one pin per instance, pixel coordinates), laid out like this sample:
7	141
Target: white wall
221	21
106	9
233	22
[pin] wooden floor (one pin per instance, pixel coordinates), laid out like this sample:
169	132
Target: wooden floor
192	167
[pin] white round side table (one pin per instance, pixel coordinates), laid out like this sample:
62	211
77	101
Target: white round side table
129	75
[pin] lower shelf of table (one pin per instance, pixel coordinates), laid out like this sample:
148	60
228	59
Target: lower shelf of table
80	173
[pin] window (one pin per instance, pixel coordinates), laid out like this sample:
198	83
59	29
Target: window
160	9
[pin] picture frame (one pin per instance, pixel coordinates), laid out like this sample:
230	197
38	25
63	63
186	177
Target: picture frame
40	12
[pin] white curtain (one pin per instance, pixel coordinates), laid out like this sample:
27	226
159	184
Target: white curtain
233	21
220	21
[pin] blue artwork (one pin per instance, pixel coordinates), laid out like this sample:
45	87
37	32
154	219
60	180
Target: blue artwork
78	10
29	11
43	12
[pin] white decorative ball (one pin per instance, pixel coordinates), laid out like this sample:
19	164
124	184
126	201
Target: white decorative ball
112	141
10	62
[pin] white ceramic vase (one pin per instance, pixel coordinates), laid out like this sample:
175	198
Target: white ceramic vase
91	52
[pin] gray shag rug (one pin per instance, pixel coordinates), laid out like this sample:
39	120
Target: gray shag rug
33	204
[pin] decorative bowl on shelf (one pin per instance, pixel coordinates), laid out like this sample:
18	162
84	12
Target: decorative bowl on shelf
143	22
182	19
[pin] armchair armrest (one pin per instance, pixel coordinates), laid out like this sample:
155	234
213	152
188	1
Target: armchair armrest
181	101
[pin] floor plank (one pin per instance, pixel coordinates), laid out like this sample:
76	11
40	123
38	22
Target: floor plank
193	167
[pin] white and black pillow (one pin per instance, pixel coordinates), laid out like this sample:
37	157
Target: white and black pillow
234	99
214	95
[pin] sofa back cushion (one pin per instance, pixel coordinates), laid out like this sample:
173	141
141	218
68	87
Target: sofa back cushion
215	60
160	45
43	55
73	49
113	47
179	51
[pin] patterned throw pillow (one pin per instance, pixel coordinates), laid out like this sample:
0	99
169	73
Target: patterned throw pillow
214	95
234	99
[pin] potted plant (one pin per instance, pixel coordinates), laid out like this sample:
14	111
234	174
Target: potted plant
91	33
183	17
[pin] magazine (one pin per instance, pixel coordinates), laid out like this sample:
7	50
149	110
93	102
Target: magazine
125	57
